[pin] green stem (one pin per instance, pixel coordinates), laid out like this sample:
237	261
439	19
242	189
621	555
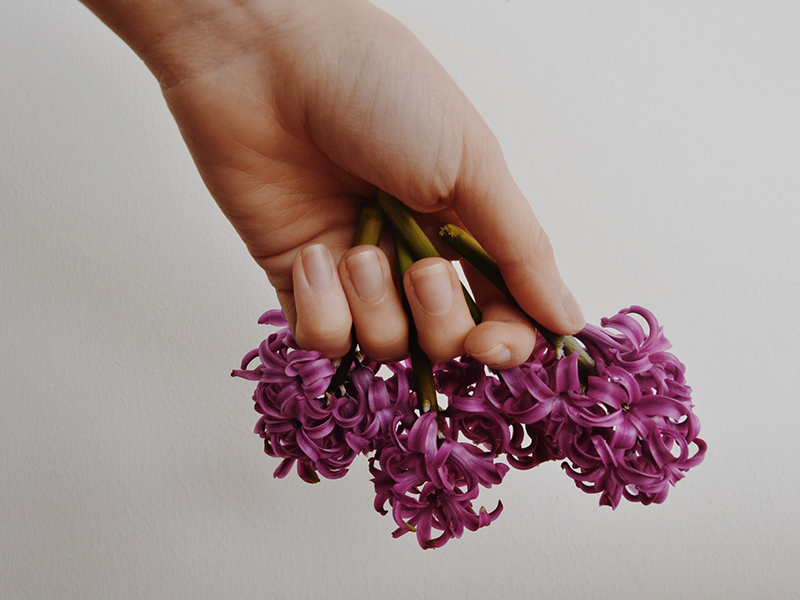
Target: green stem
420	363
469	248
403	254
404	223
418	243
370	227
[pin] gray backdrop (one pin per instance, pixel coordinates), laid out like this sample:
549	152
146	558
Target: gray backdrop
659	143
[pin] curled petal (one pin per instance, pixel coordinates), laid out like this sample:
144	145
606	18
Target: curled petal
275	318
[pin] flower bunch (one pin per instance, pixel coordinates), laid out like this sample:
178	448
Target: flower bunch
628	431
612	402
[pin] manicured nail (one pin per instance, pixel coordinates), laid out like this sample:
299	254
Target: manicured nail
366	275
497	356
317	267
573	310
433	288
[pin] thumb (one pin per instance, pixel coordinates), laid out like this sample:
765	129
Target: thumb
492	207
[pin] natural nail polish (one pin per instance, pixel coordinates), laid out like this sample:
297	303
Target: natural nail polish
317	267
433	288
366	275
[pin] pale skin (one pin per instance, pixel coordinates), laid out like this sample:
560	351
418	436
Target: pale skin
296	112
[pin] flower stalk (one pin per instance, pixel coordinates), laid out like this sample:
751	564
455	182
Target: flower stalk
470	250
420	363
404	224
370	225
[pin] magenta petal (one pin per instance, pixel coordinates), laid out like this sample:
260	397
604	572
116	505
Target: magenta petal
284	468
244	374
422	437
478	464
273	317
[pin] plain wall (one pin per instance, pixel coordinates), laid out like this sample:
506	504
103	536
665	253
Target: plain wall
659	144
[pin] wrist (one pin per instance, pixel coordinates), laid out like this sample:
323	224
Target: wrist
179	39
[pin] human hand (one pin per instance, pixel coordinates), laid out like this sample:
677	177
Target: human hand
296	112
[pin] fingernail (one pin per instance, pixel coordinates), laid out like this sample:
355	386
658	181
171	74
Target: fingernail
499	355
366	275
573	310
317	267
433	289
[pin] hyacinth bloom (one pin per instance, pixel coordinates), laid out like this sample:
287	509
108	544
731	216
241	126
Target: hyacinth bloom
626	430
430	481
320	432
640	435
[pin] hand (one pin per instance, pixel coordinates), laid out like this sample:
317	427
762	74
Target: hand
295	112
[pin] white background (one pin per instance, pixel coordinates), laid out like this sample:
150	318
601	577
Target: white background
659	143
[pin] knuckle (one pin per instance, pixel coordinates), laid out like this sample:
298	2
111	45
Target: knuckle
331	342
440	351
387	344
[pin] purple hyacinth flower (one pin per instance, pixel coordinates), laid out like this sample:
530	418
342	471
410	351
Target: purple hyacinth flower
637	434
430	482
301	423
